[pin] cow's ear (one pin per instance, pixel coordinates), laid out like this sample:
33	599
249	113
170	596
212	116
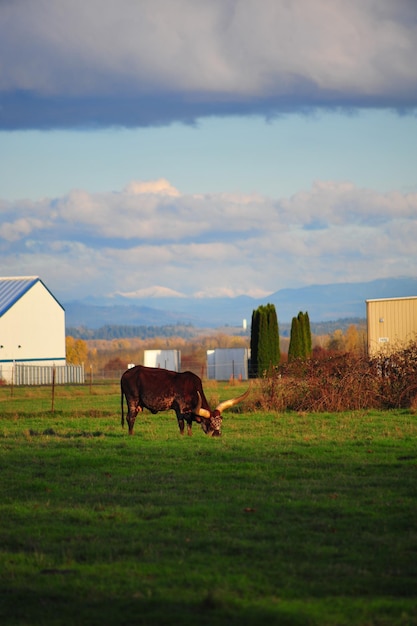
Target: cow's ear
198	419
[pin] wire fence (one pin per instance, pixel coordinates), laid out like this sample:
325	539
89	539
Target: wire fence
20	374
223	371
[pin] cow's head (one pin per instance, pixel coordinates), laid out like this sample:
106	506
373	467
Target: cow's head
211	421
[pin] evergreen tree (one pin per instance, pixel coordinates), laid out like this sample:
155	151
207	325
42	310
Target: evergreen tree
302	335
273	331
263	342
309	342
265	350
295	342
300	340
254	342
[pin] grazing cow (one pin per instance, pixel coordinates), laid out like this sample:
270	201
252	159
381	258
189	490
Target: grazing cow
159	389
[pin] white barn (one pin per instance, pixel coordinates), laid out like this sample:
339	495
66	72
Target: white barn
32	325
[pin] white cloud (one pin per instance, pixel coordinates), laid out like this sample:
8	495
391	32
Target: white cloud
19	228
160	187
338	203
162	244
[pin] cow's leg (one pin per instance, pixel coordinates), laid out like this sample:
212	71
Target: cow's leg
133	410
189	420
180	419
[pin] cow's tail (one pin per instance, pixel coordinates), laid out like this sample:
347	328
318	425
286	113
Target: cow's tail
122	404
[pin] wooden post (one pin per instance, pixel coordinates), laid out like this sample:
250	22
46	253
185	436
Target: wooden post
53	389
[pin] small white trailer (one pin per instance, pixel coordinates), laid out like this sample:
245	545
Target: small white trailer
166	359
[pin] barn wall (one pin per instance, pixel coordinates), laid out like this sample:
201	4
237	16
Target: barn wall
33	329
391	323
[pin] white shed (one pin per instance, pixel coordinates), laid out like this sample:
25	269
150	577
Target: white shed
32	325
167	359
226	363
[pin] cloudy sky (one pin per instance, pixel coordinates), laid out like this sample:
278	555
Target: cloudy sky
207	147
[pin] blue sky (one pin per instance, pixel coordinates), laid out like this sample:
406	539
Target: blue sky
277	157
207	148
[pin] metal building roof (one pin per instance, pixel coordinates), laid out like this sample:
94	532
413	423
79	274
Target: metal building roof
12	289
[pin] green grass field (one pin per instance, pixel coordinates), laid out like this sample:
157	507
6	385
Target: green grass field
286	519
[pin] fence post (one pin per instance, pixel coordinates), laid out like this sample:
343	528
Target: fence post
53	389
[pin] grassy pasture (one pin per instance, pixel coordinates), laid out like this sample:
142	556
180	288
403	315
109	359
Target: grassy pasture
286	519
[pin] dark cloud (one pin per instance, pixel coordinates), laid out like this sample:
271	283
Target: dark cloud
21	111
70	64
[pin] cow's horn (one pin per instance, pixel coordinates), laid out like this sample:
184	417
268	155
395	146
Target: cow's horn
198	410
226	404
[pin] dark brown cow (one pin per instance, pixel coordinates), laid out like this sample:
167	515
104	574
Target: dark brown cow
159	389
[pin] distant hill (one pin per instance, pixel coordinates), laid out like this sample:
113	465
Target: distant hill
324	303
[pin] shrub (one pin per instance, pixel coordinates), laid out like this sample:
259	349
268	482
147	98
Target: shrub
341	382
114	365
397	376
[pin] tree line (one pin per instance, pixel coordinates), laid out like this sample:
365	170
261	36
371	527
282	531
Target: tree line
114	331
188	331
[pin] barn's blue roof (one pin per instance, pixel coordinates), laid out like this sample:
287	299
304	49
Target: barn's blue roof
12	289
